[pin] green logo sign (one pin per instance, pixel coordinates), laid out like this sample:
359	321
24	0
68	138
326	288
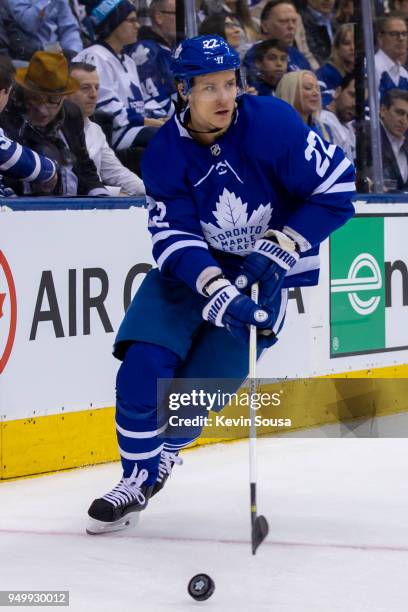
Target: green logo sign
357	294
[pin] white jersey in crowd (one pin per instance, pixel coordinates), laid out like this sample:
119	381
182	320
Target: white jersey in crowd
389	74
115	176
120	94
343	133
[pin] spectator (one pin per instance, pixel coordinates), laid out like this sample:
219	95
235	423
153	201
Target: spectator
239	10
301	90
117	179
152	54
300	36
280	19
227	27
340	62
49	24
256	8
17	162
391	56
400	6
317	18
85	29
339	114
394	126
344	13
39	117
271	60
120	93
17	44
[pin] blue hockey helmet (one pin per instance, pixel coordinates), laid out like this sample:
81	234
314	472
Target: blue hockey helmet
203	55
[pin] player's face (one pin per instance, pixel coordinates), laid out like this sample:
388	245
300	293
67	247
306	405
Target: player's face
273	66
4	97
395	118
393	40
281	23
346	48
87	95
346	103
212	100
309	95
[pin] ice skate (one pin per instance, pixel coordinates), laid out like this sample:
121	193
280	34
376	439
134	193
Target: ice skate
120	507
167	461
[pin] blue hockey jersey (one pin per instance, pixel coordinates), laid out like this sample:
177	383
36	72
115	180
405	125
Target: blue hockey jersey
20	162
329	78
209	204
152	57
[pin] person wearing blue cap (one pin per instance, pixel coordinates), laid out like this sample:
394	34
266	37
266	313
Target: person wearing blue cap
239	191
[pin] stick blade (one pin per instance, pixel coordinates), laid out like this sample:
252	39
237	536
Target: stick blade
260	530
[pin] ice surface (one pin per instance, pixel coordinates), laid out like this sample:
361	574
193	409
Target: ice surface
337	511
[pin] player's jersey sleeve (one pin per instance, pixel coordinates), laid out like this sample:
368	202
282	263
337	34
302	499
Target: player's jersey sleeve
19	162
179	247
317	174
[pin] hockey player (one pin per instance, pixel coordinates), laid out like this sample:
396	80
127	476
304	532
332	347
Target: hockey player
238	188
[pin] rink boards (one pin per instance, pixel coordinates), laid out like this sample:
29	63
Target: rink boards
68	274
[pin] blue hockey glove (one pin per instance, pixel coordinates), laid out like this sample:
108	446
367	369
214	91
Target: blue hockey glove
273	256
229	308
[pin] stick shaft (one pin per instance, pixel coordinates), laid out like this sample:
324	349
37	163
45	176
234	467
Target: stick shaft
252	412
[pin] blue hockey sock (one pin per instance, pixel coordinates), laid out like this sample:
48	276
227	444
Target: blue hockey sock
139	422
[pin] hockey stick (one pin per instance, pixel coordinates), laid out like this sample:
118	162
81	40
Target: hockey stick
259	524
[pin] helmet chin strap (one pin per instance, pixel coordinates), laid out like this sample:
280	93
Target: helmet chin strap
190	129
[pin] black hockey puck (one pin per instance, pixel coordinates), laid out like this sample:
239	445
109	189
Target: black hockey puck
201	587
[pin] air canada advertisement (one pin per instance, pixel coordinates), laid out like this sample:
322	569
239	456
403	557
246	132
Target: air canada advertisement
67	277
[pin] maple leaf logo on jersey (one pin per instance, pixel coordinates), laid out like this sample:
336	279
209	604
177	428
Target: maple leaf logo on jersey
140	56
235	232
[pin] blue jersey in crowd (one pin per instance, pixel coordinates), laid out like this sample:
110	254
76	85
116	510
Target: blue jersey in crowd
18	162
152	57
329	78
209	204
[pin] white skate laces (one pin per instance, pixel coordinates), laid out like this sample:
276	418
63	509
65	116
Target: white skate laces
128	489
167	460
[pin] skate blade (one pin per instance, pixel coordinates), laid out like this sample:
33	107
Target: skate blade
96	527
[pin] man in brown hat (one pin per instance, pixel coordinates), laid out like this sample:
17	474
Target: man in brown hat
39	116
17	162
